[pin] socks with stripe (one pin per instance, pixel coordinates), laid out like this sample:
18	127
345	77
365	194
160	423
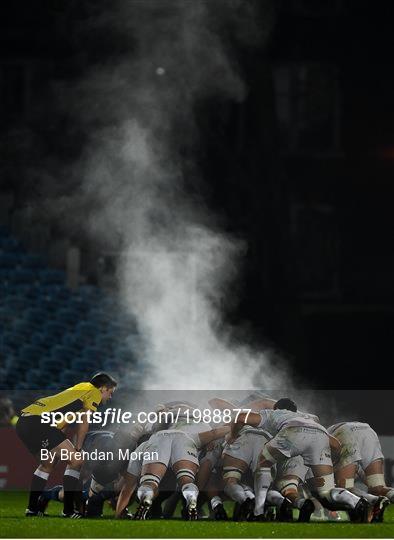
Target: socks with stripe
38	483
71	486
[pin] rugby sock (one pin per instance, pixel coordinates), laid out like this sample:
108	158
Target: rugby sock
390	495
343	496
190	492
71	486
248	491
262	481
373	499
274	498
235	492
299	502
38	484
79	501
145	493
215	501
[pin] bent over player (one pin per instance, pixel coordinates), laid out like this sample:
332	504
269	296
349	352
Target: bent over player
296	435
38	436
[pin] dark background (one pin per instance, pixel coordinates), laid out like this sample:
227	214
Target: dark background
302	169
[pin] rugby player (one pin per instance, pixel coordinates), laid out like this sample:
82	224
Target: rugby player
293	435
240	456
175	447
360	447
38	436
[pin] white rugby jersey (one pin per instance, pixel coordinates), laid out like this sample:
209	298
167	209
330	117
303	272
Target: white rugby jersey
348	425
275	420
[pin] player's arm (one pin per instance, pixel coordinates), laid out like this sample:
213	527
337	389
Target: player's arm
125	495
258	404
221	404
82	429
244	418
217	433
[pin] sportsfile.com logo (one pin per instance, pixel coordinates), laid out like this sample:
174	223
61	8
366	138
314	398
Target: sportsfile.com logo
164	417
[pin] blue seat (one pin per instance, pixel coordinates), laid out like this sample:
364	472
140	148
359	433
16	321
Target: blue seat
87	328
55	290
66	316
31	260
82	361
51	365
31	352
69	377
40	339
9	260
22	275
125	355
55	329
8	243
63	354
4	275
50	276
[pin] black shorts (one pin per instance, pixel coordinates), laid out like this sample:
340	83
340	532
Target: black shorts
36	436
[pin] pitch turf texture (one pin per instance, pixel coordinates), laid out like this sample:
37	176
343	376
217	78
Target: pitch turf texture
13	524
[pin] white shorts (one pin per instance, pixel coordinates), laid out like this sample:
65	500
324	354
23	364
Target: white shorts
291	467
309	442
170	447
360	444
247	448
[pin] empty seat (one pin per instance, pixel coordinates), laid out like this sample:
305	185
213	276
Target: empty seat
49	276
22	275
9	260
32	260
54	329
8	243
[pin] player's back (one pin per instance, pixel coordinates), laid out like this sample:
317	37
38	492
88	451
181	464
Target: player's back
273	420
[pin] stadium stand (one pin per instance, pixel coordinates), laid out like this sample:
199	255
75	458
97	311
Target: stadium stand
51	336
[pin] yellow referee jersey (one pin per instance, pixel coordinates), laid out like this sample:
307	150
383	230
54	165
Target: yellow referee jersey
82	396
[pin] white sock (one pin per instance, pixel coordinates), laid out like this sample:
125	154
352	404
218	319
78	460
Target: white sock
235	492
190	492
274	497
344	496
390	495
370	498
145	493
215	501
262	481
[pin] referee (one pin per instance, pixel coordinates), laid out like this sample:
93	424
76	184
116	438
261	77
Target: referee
35	435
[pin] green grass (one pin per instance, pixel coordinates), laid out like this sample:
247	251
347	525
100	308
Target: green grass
13	524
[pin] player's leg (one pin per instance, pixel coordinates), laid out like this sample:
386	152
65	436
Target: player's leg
185	472
374	477
269	455
215	496
129	486
233	469
151	476
39	439
71	479
328	493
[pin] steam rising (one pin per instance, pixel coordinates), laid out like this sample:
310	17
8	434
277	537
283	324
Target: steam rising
138	110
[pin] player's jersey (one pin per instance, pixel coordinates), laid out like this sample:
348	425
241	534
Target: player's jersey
275	420
347	426
255	430
82	396
184	421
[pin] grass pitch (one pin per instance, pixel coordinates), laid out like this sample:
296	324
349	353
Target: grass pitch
13	524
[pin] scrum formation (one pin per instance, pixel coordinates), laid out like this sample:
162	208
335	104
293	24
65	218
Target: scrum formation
268	460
